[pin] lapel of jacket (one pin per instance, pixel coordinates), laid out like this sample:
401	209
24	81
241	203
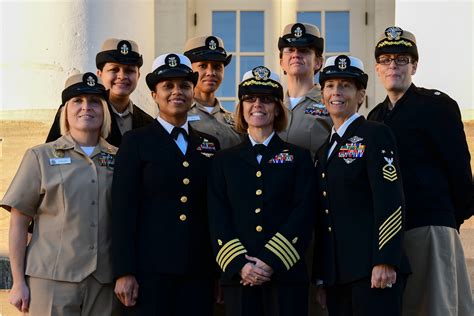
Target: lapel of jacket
164	140
247	153
322	154
349	132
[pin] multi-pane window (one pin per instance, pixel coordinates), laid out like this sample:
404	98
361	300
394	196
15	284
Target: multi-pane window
334	27
243	35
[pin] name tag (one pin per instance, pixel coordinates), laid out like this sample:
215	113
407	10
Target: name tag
59	161
192	118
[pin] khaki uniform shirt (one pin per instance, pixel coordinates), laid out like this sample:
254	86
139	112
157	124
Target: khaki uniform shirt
309	123
219	123
68	194
124	119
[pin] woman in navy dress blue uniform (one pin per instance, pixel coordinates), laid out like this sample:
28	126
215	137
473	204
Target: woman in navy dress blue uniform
260	207
162	255
359	264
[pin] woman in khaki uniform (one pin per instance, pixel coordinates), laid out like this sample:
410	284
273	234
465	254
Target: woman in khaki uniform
64	186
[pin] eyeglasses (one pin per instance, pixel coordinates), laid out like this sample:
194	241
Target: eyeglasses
399	60
265	99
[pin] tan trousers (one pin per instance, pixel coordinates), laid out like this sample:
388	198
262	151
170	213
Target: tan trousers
439	284
57	298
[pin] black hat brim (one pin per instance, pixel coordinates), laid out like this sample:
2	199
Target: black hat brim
195	57
260	90
153	78
112	56
361	78
314	42
80	89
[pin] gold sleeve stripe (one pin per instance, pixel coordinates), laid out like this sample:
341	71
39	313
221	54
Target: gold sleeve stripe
277	247
226	262
284	250
397	211
225	248
282	258
230	254
288	244
395	222
389	237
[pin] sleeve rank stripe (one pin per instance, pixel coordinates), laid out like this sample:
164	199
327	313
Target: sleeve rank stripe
284	249
398	210
226	263
288	244
396	221
390	237
230	253
224	249
269	247
282	252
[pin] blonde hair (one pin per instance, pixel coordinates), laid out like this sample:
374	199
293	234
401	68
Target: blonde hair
279	123
106	122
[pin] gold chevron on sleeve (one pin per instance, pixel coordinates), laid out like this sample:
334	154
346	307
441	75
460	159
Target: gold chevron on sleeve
228	252
390	227
389	172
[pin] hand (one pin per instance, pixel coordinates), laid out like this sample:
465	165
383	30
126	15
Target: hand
321	297
260	264
20	297
383	275
126	289
253	275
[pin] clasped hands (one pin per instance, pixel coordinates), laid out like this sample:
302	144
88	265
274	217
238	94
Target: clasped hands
255	272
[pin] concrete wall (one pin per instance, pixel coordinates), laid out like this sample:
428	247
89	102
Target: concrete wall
43	42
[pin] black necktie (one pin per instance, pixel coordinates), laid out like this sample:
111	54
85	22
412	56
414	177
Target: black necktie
178	130
259	149
334	138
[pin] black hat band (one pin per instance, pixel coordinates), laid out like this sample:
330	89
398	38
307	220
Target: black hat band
306	40
81	88
114	56
400	46
253	86
350	72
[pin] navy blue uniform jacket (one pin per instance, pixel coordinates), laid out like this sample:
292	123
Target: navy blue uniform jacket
264	210
360	217
159	204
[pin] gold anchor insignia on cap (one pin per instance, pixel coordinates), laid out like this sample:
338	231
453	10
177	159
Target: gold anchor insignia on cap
261	73
393	33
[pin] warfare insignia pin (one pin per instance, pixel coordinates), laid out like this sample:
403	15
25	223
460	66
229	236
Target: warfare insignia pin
437	93
393	33
349	160
124	47
261	73
58	153
172	60
389	172
229	119
355	139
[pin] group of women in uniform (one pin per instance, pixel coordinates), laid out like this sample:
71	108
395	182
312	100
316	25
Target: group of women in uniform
178	204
